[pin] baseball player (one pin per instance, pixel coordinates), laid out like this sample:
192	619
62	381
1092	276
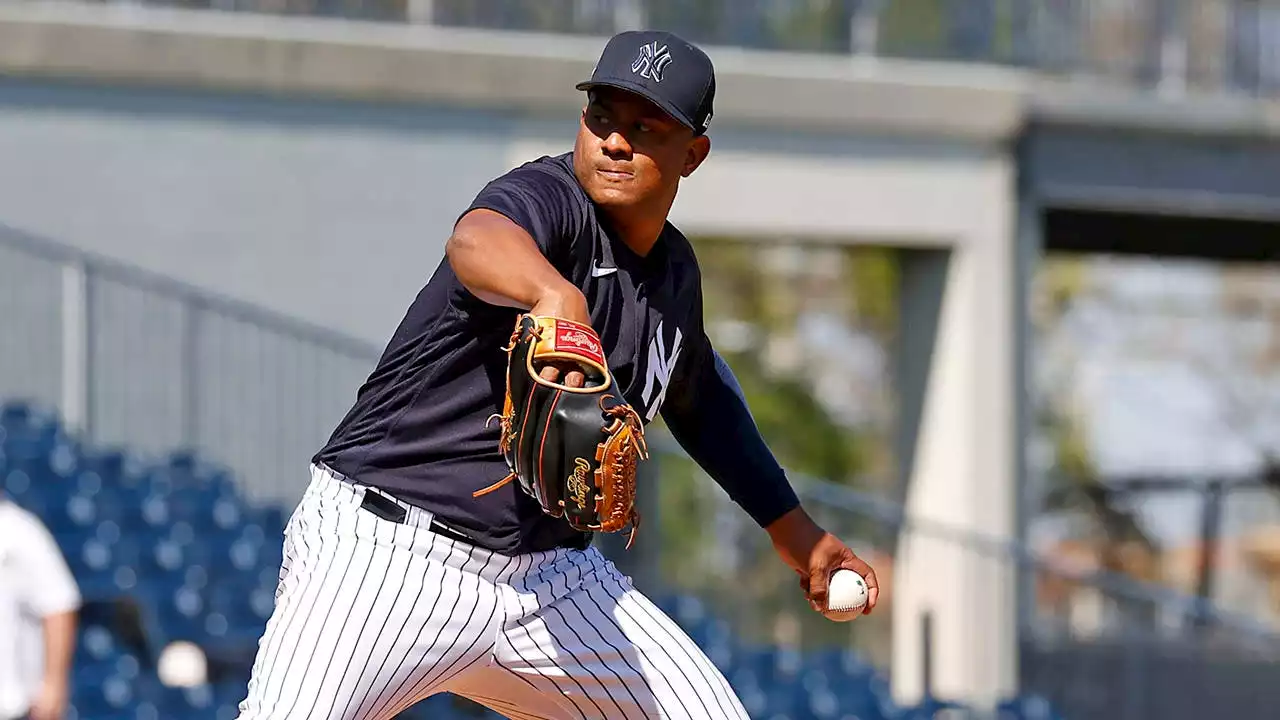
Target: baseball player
39	600
412	566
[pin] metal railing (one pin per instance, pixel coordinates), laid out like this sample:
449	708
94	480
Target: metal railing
1097	644
140	361
1212	45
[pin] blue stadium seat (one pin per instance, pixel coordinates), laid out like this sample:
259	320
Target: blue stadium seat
247	555
27	491
203	565
441	706
14	413
842	663
102	692
71	514
109	464
1027	707
788	699
111	499
771	664
96	644
161	558
194	505
186	470
174	616
229	693
238	614
857	699
39	440
94	565
214	557
227	514
270	519
32	476
754	700
176	702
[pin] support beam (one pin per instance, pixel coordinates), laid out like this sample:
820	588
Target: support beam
76	352
960	475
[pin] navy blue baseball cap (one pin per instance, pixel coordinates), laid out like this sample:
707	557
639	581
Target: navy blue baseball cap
663	68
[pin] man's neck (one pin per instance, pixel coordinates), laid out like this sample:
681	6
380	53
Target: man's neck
639	231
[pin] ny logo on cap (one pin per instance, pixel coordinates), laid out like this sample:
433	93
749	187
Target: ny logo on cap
651	61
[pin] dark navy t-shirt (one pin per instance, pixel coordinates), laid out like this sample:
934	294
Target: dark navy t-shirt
418	426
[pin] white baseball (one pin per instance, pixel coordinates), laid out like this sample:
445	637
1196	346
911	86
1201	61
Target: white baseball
846	595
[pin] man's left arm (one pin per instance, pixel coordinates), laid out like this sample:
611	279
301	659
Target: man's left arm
707	413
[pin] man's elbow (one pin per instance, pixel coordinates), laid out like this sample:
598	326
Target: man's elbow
458	249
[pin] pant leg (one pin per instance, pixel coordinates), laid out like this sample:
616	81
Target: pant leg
511	695
371	615
587	638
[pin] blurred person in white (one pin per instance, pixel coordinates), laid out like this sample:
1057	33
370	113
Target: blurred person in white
39	601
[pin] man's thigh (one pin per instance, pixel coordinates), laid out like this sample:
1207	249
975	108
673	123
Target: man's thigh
599	647
511	695
371	616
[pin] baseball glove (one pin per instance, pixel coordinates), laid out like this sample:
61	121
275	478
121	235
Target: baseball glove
574	450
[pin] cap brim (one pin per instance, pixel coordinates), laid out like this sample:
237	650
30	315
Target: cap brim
644	92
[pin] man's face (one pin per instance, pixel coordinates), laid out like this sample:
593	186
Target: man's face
630	153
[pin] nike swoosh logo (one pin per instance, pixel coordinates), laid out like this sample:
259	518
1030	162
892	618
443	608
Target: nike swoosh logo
597	271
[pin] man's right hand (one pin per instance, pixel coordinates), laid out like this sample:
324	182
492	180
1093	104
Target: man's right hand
567	303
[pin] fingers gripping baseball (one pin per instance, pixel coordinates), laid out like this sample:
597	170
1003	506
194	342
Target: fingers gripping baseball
828	556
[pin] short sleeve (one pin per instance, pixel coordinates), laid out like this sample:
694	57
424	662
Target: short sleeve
540	199
51	588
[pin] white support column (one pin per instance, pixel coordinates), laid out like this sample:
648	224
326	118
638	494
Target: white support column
75	347
963	478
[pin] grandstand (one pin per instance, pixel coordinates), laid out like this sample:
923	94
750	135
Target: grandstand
168	551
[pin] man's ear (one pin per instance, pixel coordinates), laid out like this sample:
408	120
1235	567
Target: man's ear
698	151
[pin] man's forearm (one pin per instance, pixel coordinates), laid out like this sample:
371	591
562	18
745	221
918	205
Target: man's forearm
717	431
794	536
60	645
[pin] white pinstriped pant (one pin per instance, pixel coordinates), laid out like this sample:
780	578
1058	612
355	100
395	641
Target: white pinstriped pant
372	616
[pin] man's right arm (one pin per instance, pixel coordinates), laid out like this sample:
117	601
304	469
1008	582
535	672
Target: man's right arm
499	262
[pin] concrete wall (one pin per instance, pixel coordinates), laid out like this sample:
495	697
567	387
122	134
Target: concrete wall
330	214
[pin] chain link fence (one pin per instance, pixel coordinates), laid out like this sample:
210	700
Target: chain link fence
154	366
145	363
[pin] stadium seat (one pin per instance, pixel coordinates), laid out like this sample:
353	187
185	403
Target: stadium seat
202	564
788	699
14	413
93	564
95	643
103	691
110	465
1027	707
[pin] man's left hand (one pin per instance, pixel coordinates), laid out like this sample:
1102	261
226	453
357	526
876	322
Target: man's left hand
815	554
